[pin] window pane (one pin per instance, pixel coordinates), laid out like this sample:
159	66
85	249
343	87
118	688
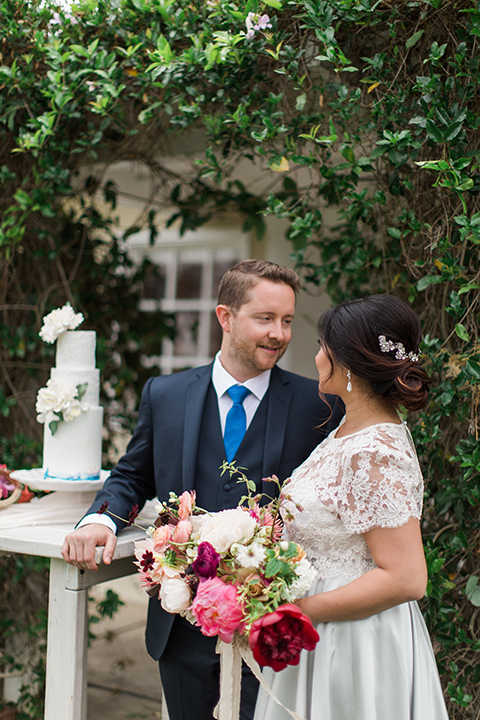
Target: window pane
189	280
220	267
154	282
215	336
185	342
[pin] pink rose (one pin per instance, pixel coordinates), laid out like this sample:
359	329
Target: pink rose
182	532
217	609
278	638
161	537
187	500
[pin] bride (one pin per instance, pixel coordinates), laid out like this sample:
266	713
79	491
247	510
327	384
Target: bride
361	495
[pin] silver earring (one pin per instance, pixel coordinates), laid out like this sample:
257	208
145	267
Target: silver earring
349	383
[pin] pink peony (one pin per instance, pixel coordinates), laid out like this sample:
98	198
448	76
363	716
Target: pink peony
217	609
182	531
278	638
161	537
187	500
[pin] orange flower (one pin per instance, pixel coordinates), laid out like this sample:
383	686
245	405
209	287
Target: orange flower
182	531
161	537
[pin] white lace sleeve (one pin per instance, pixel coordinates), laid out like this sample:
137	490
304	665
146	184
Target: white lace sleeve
381	485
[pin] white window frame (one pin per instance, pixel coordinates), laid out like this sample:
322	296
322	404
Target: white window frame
205	246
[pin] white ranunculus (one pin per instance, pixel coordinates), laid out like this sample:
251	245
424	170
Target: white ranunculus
58	321
175	595
306	575
226	527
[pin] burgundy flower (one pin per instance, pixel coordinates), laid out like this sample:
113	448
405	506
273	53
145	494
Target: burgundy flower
206	564
277	638
132	515
103	508
147	560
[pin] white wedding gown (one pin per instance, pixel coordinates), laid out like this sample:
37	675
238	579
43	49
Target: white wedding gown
382	667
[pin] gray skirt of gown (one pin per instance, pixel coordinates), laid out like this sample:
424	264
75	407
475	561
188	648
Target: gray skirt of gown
379	668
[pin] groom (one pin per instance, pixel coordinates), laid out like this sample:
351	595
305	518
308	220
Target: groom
179	444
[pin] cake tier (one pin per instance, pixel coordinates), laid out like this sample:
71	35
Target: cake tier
76	350
75	451
80	377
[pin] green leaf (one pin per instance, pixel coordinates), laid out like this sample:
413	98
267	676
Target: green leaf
462	332
427	280
274	567
273	3
473	368
81	390
452	131
472	591
436	566
53	426
300	102
80	50
466	288
414	38
433	132
348	154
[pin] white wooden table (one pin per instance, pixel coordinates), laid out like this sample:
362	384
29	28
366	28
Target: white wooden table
66	680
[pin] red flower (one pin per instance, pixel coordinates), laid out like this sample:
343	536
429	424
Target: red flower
277	638
206	564
147	562
103	508
132	515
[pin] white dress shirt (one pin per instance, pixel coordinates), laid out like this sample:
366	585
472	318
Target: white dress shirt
222	381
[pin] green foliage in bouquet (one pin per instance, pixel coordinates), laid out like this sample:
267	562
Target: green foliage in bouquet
363	118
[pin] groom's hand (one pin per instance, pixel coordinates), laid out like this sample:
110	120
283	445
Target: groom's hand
79	546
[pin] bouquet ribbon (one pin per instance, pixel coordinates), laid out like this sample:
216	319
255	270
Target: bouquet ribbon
231	656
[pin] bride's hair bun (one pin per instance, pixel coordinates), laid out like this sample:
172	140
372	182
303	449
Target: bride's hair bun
410	388
378	338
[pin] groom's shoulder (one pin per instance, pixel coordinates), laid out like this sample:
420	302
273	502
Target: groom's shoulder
295	381
305	395
177	381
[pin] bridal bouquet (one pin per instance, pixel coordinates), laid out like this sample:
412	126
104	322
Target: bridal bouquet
230	573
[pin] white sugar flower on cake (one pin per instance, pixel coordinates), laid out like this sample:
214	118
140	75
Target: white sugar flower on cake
60	401
58	321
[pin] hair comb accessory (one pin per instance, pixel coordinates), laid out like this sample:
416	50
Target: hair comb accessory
399	349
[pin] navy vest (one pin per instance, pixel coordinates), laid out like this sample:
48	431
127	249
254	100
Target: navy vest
215	491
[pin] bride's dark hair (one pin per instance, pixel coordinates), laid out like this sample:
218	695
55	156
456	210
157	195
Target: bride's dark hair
349	335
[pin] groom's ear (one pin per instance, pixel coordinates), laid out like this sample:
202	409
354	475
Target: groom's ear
224	315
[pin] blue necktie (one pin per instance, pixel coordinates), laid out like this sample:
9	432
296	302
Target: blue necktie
236	422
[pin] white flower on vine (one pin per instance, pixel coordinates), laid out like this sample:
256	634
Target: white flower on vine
255	21
58	321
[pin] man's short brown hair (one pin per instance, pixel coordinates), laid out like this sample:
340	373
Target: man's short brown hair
242	277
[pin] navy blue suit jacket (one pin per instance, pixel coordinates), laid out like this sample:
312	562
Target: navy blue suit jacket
161	457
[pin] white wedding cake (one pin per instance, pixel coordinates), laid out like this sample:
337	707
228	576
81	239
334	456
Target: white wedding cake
69	406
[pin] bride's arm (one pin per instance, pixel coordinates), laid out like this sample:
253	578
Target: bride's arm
400	576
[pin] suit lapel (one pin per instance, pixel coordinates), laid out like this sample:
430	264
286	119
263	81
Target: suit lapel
194	406
279	399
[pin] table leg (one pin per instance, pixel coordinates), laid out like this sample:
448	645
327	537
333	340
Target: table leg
66	682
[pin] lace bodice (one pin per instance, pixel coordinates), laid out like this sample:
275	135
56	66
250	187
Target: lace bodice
348	486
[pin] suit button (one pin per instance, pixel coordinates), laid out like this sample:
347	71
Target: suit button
227	487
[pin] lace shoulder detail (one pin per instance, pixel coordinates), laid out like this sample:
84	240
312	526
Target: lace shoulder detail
381	483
